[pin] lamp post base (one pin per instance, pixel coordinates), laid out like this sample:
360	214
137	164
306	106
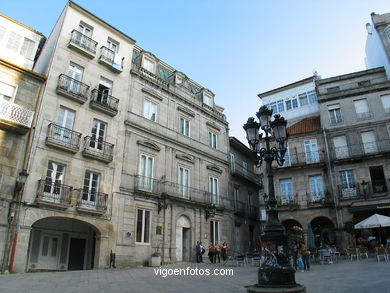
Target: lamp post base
296	289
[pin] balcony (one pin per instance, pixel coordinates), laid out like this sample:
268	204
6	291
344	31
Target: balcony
184	193
82	44
72	89
238	170
98	149
53	194
318	199
364	190
15	117
111	59
63	138
91	201
103	102
149	76
363	116
358	151
293	159
290	202
239	208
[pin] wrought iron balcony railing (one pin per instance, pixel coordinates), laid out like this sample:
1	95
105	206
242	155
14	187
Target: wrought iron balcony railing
92	201
83	41
151	76
54	193
63	137
237	169
292	158
98	149
361	149
364	190
72	88
105	102
111	59
15	114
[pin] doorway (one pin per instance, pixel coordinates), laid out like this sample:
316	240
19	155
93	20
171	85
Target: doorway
378	180
183	239
76	254
186	244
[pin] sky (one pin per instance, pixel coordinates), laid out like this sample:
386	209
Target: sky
235	48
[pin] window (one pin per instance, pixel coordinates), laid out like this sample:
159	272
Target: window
85	30
286	191
361	108
150	110
98	135
179	80
65	120
28	49
86	33
303	99
112	45
14	41
386	102
212	140
7	92
90	188
311	151
335	114
364	83
75	72
53	181
312	97
213	189
294	103
146	172
280	106
207	100
232	159
340	147
235	197
214	231
104	90
369	142
2	32
245	167
316	188
184	182
288	105
143	226
148	64
273	106
348	187
184	126
333	89
287	158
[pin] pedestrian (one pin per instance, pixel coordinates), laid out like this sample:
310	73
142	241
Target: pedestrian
198	252
224	249
305	254
294	253
203	251
211	252
217	248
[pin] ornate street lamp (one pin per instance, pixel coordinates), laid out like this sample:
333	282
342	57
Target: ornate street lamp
275	271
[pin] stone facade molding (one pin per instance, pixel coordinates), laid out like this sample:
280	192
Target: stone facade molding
214	168
213	125
186	157
186	111
149	144
152	93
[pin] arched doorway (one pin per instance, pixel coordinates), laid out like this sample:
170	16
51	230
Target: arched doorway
183	239
62	244
294	230
323	230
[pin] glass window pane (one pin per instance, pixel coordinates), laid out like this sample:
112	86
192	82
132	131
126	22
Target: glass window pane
139	225
147	227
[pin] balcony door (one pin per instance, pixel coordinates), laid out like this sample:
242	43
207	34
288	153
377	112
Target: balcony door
184	182
64	125
378	179
146	172
90	189
54	180
369	142
86	32
49	251
98	135
311	151
104	90
75	72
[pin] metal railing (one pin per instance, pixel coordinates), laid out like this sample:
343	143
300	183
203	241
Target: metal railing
98	148
246	173
185	192
83	41
363	115
361	149
54	192
105	100
292	158
107	54
63	136
349	191
73	86
92	200
16	114
150	75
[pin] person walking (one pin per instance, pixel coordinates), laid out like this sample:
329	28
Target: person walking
217	248
224	249
294	253
211	252
198	252
305	256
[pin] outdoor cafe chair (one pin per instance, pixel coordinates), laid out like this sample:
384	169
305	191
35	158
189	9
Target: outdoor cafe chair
325	256
363	252
240	259
249	258
256	258
352	253
381	253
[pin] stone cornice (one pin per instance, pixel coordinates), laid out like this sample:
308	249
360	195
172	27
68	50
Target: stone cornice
213	125
186	111
185	157
149	144
152	93
214	168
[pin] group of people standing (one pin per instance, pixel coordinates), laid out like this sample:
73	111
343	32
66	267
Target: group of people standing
300	256
216	251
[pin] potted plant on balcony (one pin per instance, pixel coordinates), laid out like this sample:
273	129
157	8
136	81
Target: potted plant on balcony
155	260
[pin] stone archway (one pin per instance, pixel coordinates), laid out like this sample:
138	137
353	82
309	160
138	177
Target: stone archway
294	230
183	239
324	231
59	243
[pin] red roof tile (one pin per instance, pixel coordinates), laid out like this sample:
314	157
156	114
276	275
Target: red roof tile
304	126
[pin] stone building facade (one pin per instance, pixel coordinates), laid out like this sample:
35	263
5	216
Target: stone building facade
130	156
20	90
246	187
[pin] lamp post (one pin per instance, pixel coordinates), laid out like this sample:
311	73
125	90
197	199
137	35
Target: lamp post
275	271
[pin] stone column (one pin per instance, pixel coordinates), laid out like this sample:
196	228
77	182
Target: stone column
21	251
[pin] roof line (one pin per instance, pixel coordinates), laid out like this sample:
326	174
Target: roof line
21	24
291	85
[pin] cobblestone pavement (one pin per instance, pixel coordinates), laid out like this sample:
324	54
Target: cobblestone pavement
345	276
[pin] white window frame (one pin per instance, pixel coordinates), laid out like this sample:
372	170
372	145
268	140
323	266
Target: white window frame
311	151
316	185
236	196
185	126
208	100
143	226
362	115
184	180
215	236
348	187
245	167
214	189
371	146
89	202
213	140
150	109
149	64
286	197
111	44
332	109
303	97
146	182
385	99
341	151
287	158
56	178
